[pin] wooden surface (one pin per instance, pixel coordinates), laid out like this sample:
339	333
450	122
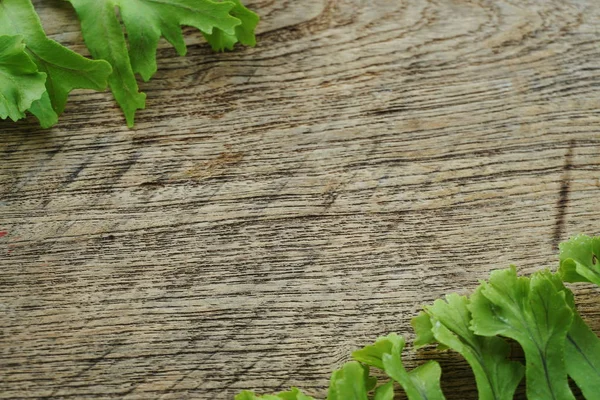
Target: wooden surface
275	208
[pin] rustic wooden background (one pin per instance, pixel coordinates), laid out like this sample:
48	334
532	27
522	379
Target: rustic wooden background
277	207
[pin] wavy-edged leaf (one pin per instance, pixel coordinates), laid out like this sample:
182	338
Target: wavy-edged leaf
292	394
448	324
145	21
582	353
582	358
65	70
20	81
580	259
351	382
533	312
220	40
422	382
44	111
385	392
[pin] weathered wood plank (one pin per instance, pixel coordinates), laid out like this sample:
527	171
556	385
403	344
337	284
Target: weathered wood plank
277	207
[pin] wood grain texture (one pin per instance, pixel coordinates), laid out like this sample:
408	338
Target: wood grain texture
277	207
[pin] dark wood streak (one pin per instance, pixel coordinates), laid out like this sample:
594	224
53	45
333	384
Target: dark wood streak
563	196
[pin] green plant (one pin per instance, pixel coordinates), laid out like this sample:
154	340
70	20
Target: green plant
37	74
538	312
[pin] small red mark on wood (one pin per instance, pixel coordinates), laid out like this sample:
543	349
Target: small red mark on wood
3	233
